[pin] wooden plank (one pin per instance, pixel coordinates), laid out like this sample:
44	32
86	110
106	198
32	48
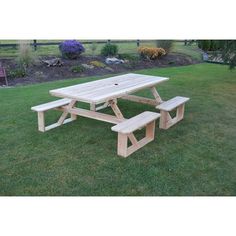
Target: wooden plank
172	103
107	89
156	95
122	145
140	144
139	99
41	121
136	122
65	113
51	105
57	124
95	115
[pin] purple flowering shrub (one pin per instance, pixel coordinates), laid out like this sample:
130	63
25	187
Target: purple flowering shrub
71	49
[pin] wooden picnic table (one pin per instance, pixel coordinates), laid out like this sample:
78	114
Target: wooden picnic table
106	92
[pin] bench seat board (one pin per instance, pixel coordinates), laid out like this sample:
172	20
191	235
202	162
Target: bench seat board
51	105
172	103
134	123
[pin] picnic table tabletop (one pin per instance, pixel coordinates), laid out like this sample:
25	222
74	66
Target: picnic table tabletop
110	88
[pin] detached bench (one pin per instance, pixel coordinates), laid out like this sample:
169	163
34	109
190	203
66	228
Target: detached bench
126	128
166	121
55	105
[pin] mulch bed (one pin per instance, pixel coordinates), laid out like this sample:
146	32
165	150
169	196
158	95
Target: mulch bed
41	73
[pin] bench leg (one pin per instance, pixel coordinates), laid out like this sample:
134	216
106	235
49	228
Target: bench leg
62	120
41	121
122	144
166	121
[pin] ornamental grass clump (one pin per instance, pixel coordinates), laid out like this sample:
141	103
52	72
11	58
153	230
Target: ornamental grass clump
26	56
151	53
71	49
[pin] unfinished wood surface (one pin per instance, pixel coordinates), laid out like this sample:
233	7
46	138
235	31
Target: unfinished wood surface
51	105
172	103
166	120
136	122
126	128
140	99
156	95
55	105
107	89
41	121
65	113
95	115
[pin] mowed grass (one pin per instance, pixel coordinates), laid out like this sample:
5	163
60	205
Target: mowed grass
195	157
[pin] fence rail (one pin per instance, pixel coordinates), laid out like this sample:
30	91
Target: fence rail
35	44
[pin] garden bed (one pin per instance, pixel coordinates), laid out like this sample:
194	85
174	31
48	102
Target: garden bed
41	73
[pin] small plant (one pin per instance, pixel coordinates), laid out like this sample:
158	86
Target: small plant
109	50
165	44
151	53
97	64
93	47
77	69
71	49
126	56
16	73
26	57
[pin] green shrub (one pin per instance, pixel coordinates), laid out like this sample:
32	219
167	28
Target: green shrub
204	44
126	56
16	73
77	69
109	50
165	44
209	45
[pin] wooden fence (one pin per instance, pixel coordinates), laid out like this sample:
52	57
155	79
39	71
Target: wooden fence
35	44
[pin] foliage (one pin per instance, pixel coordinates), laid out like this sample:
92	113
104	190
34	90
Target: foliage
77	69
97	64
26	57
127	56
93	47
151	53
228	49
208	45
18	72
71	49
109	50
165	44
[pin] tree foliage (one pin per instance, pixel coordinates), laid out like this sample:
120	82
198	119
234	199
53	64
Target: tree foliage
228	49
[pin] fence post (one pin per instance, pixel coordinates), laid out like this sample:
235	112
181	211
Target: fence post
138	42
35	45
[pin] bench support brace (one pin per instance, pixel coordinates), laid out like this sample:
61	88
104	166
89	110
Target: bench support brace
122	144
62	120
166	121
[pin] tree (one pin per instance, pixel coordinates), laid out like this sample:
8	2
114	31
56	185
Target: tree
228	49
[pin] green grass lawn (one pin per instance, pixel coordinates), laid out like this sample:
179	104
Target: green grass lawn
127	47
195	157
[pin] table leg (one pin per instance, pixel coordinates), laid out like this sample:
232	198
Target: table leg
65	113
156	95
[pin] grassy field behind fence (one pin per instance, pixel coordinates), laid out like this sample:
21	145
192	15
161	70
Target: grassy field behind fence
195	157
127	47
